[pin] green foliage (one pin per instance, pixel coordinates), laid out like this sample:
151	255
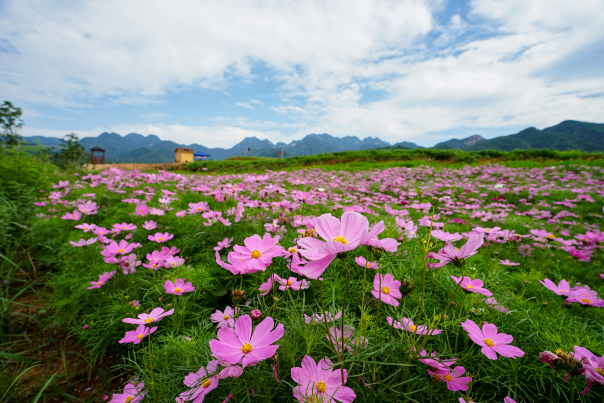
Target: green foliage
71	154
10	121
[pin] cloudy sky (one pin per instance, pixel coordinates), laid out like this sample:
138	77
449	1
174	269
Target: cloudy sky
215	72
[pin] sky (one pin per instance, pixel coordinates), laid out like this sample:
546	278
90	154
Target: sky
215	72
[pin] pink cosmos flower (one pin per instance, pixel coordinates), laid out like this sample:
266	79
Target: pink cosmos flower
226	243
493	304
361	261
103	278
470	285
371	239
181	213
133	393
561	289
169	251
173	261
83	242
345	339
267	286
256	314
156	211
118	249
508	263
201	383
340	236
593	367
581	255
124	227
86	227
178	287
160	238
492	343
440	366
142	211
256	255
149	225
318	318
445	236
320	381
602	276
508	399
589	299
76	215
156	260
450	254
390	293
410	327
241	342
145	318
136	336
195	208
453	378
226	318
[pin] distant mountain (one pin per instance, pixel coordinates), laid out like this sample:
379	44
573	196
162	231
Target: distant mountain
568	135
463	143
407	144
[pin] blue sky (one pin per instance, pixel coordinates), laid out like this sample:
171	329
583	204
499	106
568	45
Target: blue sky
214	73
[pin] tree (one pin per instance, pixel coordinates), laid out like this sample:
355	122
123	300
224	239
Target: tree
72	152
10	121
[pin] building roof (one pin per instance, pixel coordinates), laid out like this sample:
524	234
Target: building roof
201	154
184	150
97	148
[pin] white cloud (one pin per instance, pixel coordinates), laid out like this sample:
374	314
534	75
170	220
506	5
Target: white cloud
509	63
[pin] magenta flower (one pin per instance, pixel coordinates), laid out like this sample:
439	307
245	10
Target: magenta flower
493	304
469	285
169	251
76	215
142	211
83	242
233	344
124	227
508	263
145	318
173	261
361	261
593	366
103	278
291	282
445	236
256	314
562	289
267	286
492	343
156	260
118	249
179	287
450	254
320	381
340	236
133	393
508	399
371	239
581	255
256	255
589	299
226	318
129	263
453	378
201	383
226	243
345	340
156	211
390	293
318	318
159	237
86	227
136	336
440	366
150	225
410	327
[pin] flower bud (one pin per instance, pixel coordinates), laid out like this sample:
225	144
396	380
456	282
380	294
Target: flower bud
256	314
407	287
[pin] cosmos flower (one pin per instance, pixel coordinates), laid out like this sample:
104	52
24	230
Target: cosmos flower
226	318
453	378
450	254
136	336
160	238
361	261
145	318
408	325
178	287
492	342
321	382
201	383
103	278
472	286
390	293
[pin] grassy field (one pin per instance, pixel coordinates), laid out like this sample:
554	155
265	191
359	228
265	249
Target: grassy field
534	218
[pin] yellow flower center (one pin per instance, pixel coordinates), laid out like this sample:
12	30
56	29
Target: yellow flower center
587	301
437	377
321	386
140	336
247	348
412	327
148	320
206	383
125	227
129	399
448	378
99	283
121	251
489	342
289	282
160	239
470	286
198	208
292	250
386	290
304	197
600	371
177	290
256	254
551	235
367	264
340	239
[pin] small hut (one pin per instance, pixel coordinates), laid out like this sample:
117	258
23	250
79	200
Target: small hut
183	154
98	159
201	155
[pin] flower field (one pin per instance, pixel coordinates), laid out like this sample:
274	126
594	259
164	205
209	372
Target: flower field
472	284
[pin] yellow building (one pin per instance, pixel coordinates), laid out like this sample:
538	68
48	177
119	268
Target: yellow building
184	154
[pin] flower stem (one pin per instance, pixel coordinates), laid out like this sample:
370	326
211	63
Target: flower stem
479	367
426	249
572	389
335	344
551	388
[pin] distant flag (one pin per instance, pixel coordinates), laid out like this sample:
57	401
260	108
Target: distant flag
279	153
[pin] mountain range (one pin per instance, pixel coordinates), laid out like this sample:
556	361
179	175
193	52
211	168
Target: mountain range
134	147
